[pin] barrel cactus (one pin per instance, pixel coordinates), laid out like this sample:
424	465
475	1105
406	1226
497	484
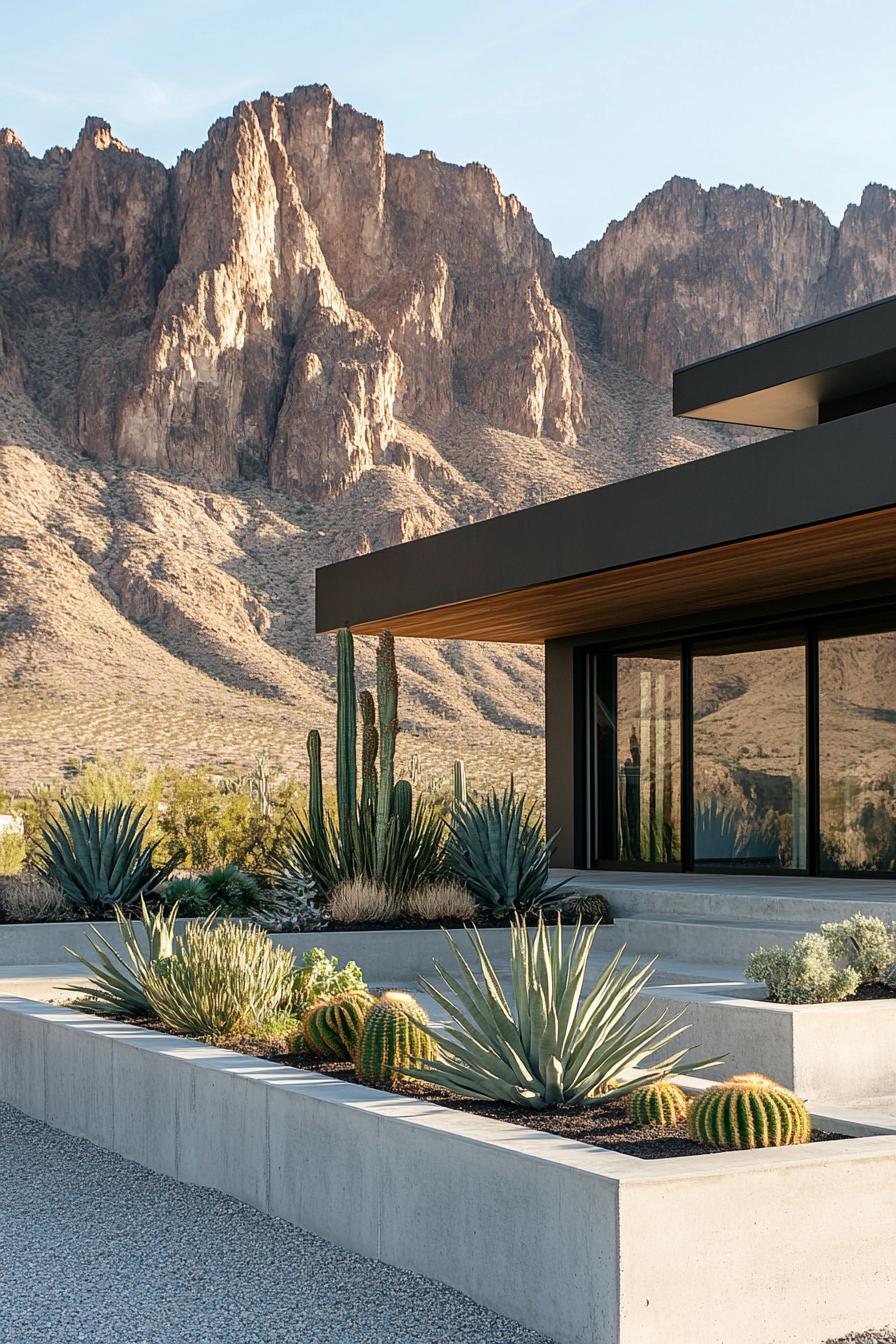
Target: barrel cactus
392	1037
332	1029
748	1111
661	1104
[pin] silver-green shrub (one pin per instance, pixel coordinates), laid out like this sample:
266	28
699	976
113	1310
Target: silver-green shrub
867	945
805	974
223	981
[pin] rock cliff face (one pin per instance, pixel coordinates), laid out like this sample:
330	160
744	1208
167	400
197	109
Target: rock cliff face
690	272
293	346
270	304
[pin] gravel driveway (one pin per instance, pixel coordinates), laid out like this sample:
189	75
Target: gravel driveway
94	1249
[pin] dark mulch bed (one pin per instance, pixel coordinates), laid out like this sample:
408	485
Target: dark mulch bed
604	1126
876	991
483	921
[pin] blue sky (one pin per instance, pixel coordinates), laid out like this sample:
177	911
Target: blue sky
580	108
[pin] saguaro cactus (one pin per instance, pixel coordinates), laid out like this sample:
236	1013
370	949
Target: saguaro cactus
346	734
387	704
315	784
369	749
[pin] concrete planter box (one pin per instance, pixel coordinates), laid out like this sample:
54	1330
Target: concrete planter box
587	1246
841	1052
388	956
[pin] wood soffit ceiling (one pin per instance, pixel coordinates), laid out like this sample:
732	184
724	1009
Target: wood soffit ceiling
845	551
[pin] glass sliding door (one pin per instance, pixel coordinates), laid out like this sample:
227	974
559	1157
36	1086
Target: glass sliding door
748	739
770	750
857	753
648	758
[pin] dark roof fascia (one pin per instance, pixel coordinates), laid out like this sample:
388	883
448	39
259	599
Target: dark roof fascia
798	371
830	471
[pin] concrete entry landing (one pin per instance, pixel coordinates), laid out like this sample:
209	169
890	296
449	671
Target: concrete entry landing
707	918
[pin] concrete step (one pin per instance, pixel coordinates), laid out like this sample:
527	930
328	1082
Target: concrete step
795	902
702	941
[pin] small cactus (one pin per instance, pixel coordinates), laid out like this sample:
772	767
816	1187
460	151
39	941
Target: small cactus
331	1029
661	1104
748	1111
392	1038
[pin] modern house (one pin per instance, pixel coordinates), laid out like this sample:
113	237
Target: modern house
720	637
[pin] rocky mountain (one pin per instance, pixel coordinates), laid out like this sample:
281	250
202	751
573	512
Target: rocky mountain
292	346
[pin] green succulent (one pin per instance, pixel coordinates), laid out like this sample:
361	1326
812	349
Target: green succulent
100	857
116	985
224	980
661	1104
333	1028
549	1043
497	848
395	1035
748	1111
320	977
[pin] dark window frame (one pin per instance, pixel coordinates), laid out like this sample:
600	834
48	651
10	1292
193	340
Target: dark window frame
601	792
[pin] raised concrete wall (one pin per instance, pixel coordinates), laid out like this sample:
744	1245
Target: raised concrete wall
587	1246
386	957
841	1052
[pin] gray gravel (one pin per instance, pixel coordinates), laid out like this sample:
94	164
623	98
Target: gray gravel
96	1250
867	1337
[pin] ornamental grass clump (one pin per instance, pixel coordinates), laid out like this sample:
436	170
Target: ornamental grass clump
116	986
224	981
549	1043
807	973
748	1111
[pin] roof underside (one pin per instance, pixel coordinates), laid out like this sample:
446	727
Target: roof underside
800	378
794	515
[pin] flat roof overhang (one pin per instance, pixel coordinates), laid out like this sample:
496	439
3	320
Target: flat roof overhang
799	378
794	515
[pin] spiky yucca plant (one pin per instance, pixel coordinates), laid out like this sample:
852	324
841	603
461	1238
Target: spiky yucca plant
100	857
550	1044
116	985
333	1028
224	980
394	1034
748	1111
498	849
661	1104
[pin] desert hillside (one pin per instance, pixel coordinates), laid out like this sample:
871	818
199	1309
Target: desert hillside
291	347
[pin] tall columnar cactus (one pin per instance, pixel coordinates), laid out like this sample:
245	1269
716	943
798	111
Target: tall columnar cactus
748	1111
315	785
369	749
460	783
392	1038
387	705
346	735
402	804
661	1104
333	1028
